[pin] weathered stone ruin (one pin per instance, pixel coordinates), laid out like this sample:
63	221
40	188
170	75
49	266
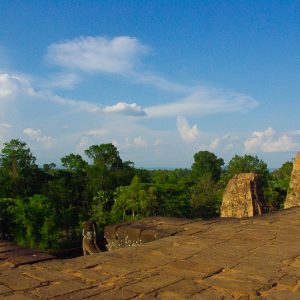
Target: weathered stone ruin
224	258
242	197
293	196
131	234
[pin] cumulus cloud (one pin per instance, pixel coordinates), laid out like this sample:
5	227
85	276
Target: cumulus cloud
10	85
269	141
187	133
36	135
204	101
125	108
97	54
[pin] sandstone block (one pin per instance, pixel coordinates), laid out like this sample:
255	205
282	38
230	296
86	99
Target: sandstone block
242	196
293	197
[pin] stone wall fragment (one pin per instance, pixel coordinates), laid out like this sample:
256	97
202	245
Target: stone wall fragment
242	197
293	196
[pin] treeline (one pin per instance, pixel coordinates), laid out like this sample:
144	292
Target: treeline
43	207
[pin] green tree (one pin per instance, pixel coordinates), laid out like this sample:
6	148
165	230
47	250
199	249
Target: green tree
150	202
6	217
206	198
36	223
207	164
246	164
105	155
128	200
17	161
99	212
107	170
277	186
74	162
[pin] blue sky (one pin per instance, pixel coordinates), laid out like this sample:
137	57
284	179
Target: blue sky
159	79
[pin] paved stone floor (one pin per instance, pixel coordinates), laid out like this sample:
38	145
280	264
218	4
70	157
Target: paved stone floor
255	258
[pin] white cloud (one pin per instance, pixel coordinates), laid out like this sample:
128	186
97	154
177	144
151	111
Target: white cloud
36	135
75	104
204	101
97	54
227	148
82	144
187	133
139	142
223	144
115	143
4	127
295	133
136	142
125	108
160	82
215	144
99	132
10	85
269	141
89	137
158	142
64	81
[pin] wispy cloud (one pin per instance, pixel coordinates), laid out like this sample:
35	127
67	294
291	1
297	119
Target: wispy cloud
140	142
61	81
269	141
125	108
75	104
99	132
202	102
159	82
4	127
188	133
97	54
89	137
136	142
36	135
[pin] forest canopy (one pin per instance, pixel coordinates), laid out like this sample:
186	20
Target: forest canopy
44	206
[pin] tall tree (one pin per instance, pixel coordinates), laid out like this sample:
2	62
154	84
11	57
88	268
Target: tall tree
106	155
277	186
207	164
74	162
245	164
107	171
206	198
19	163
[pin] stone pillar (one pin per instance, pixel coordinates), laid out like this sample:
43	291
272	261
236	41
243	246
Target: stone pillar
293	196
242	197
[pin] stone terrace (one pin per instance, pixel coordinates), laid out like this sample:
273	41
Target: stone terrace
255	258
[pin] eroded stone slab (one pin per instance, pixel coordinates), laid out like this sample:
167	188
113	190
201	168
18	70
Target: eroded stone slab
253	258
242	196
293	196
131	234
